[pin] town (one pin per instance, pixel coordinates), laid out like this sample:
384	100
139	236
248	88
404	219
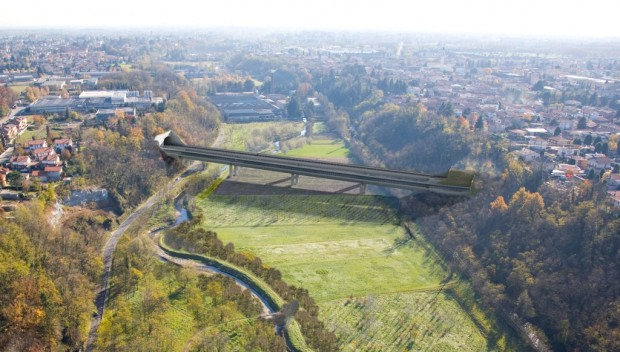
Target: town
558	112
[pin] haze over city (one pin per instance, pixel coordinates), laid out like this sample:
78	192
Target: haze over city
528	18
275	175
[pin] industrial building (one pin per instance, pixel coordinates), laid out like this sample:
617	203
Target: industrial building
245	107
91	101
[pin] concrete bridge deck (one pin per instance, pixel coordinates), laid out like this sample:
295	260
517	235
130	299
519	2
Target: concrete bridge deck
173	147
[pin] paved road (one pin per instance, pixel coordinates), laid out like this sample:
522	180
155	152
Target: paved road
108	257
13	113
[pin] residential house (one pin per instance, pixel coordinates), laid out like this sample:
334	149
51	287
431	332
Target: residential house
53	172
527	155
559	141
537	142
41	153
36	144
615	198
569	169
614	181
581	162
21	162
20	122
599	161
9	131
63	143
51	160
40	174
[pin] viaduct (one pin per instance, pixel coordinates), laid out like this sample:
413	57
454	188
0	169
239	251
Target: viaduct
454	183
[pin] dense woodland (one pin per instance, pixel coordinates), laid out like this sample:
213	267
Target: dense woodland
7	99
48	273
47	278
541	258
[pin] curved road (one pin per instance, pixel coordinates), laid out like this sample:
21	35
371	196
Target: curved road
110	246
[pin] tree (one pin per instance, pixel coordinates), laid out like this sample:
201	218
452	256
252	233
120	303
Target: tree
597	140
445	109
616	169
557	131
479	123
598	148
577	141
591	174
587	140
65	155
605	148
293	108
582	124
539	86
14	178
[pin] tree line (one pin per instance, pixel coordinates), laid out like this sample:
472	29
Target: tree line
192	237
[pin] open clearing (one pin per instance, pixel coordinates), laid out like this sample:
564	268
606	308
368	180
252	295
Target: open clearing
348	248
323	148
379	289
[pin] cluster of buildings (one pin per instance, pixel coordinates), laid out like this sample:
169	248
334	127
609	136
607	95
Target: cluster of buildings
41	161
96	102
247	107
540	102
11	129
23	58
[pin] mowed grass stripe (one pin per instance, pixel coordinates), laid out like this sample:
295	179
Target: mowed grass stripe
265	210
325	149
418	321
254	237
330	279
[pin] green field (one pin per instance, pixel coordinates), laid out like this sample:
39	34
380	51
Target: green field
343	248
356	238
406	322
39	133
379	288
18	89
321	148
236	136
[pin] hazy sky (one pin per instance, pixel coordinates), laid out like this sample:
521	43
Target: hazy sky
592	18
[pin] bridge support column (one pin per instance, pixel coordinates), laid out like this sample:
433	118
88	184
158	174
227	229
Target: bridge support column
232	170
362	189
294	179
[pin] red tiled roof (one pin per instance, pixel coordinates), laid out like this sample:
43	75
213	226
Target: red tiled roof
63	141
46	150
36	142
38	173
53	169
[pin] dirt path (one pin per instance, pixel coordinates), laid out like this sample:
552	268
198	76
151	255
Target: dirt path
205	269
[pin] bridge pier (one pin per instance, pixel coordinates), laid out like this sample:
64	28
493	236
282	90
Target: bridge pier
232	170
362	189
294	179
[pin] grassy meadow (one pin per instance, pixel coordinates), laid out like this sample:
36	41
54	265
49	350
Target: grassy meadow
321	147
379	287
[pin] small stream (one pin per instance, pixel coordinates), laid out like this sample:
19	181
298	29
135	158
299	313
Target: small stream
183	216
